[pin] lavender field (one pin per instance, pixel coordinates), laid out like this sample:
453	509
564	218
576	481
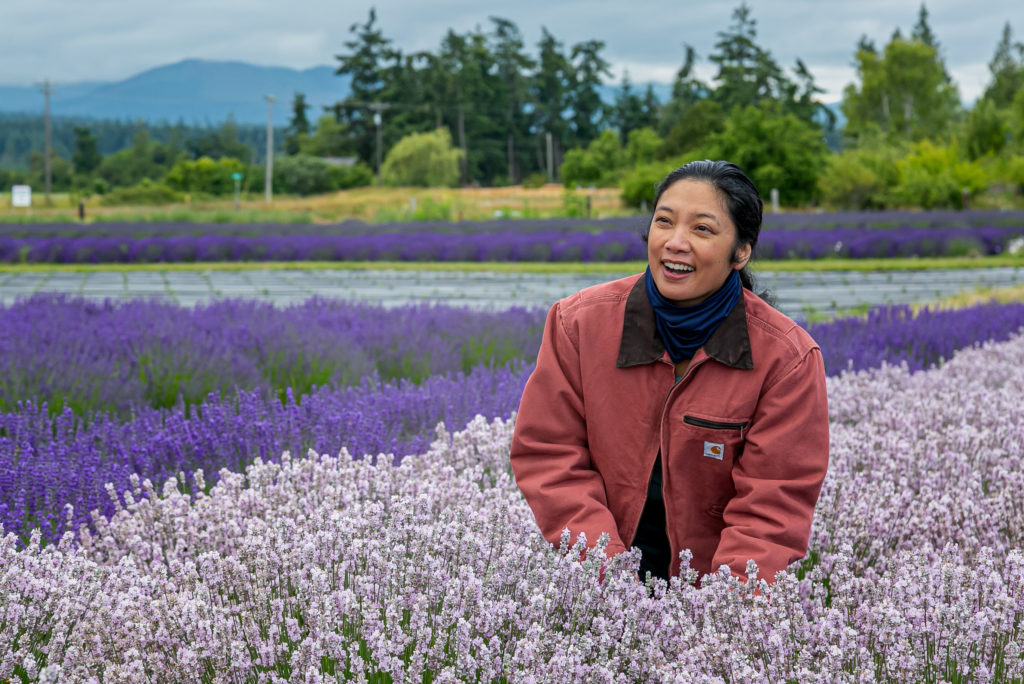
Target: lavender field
785	236
154	531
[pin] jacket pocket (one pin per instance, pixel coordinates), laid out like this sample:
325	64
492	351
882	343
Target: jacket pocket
714	424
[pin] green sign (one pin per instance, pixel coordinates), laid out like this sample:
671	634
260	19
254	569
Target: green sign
236	176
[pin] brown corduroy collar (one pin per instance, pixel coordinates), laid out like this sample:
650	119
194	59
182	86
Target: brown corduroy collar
728	344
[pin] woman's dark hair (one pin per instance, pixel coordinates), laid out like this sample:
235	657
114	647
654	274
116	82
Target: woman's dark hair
742	200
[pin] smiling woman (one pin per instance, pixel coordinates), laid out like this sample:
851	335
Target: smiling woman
701	426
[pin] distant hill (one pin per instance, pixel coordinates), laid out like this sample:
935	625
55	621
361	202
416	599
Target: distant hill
205	93
195	91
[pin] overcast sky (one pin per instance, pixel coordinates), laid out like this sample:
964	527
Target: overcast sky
81	40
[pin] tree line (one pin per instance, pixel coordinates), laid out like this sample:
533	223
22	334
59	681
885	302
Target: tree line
484	109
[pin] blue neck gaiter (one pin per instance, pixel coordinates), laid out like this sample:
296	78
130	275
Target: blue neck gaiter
683	329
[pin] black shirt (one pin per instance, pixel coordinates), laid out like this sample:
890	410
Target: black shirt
651	535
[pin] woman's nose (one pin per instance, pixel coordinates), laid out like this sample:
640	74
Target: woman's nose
679	241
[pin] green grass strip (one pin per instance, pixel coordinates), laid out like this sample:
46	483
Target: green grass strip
789	265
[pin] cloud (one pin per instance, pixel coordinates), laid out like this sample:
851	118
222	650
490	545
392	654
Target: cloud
69	40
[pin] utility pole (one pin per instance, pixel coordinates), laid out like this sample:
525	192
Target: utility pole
268	180
551	159
47	89
377	108
377	120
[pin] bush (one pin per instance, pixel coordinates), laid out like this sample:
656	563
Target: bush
639	184
642	146
600	164
932	177
9	178
204	175
858	179
423	160
776	149
358	175
303	174
534	181
147	192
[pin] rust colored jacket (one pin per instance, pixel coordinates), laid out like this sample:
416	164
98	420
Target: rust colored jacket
744	434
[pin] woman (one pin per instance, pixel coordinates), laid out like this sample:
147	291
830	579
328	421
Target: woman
676	409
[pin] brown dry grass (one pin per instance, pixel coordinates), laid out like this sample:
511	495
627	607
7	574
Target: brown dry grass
368	204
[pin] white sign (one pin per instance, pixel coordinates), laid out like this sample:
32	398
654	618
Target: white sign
21	196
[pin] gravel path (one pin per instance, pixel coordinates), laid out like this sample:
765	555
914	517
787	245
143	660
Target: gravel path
797	294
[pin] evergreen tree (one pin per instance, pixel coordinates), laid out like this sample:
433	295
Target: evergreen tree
922	31
298	127
549	92
218	144
651	109
687	91
1007	69
588	72
472	88
86	157
629	112
747	74
512	66
369	51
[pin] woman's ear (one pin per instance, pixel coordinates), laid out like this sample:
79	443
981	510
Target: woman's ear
741	256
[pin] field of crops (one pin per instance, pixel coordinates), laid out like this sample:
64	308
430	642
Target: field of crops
154	531
785	236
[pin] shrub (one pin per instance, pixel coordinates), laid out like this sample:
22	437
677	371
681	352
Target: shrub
204	175
358	175
858	179
776	149
303	174
599	164
146	192
639	184
934	177
423	160
534	180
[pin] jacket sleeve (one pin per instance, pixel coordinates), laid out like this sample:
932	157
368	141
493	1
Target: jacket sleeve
550	456
779	475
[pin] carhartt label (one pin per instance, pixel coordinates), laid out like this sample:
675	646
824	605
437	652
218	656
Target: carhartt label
714	450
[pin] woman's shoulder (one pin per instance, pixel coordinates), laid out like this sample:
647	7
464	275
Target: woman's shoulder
612	293
772	326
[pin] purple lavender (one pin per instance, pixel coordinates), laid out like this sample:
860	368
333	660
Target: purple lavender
785	236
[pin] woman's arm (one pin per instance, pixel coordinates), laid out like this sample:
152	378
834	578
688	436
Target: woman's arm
550	455
779	475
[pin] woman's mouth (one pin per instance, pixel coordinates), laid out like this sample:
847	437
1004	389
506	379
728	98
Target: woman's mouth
673	270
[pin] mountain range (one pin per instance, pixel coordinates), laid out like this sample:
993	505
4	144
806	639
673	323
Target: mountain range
205	92
200	91
195	91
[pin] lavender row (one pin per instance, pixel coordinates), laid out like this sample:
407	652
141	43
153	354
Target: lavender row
118	357
47	462
543	246
510	246
39	450
875	220
337	569
897	335
352	227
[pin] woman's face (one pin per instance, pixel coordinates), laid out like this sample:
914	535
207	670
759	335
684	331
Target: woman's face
692	243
